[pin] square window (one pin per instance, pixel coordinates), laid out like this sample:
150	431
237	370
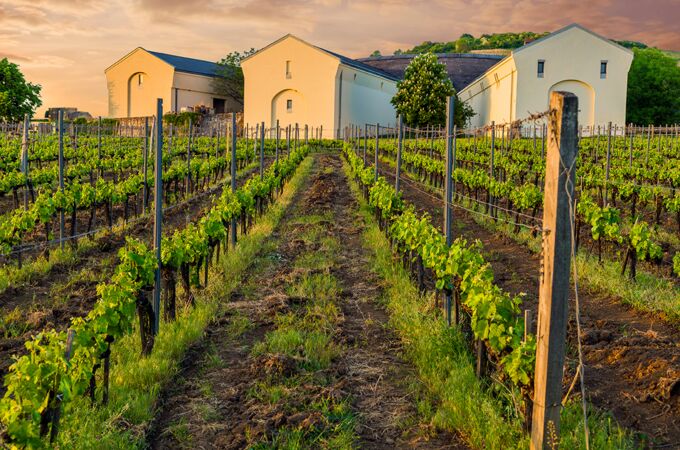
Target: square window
289	105
541	68
603	69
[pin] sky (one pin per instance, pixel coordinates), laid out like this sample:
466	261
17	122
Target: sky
65	45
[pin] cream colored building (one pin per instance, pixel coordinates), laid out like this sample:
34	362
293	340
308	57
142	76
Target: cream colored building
139	78
572	59
295	82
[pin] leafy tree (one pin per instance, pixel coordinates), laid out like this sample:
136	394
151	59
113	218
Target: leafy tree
376	53
653	89
421	95
17	96
229	82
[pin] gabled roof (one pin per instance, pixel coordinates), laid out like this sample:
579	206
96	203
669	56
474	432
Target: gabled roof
462	68
180	63
360	65
343	59
188	65
567	28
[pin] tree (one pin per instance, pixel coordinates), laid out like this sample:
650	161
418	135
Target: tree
17	96
229	81
421	94
376	53
653	89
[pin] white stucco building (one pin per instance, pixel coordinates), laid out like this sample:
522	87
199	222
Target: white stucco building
295	82
572	59
139	78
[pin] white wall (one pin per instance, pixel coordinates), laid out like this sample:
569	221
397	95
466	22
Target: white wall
365	98
492	95
311	86
126	97
573	56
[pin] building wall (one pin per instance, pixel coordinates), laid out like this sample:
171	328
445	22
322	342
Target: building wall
492	95
190	90
572	61
127	98
365	98
311	86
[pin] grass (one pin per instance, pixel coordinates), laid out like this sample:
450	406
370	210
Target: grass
136	381
305	333
453	398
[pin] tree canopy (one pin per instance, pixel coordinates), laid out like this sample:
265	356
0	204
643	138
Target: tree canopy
17	96
229	82
653	88
421	94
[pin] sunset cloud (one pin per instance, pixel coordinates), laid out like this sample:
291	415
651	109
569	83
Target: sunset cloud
65	45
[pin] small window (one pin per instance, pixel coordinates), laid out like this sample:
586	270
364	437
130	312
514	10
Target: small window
140	79
541	68
289	105
382	84
288	73
603	69
355	77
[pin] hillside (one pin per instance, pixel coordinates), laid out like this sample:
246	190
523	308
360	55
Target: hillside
499	43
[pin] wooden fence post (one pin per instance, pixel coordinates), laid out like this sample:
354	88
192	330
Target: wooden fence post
448	192
158	207
377	139
233	174
400	144
60	124
554	282
24	158
262	151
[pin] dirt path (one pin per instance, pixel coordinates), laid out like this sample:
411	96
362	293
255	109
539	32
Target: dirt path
632	358
70	290
302	354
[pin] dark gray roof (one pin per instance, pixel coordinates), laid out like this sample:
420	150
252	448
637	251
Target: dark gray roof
357	64
463	68
188	65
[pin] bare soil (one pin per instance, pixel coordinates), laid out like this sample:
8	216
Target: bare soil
369	371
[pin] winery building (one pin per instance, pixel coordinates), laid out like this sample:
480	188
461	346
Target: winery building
139	78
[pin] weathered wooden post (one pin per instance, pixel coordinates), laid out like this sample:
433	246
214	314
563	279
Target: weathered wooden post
277	141
188	186
158	207
400	144
145	164
24	158
365	141
288	141
233	174
630	147
377	139
448	192
262	151
490	199
608	164
60	124
99	145
554	282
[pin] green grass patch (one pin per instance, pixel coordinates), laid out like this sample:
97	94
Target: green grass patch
136	381
452	398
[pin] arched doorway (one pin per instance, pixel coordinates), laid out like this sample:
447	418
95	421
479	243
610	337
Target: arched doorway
586	99
138	95
289	107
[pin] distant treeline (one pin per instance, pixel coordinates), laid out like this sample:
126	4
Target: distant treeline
467	42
